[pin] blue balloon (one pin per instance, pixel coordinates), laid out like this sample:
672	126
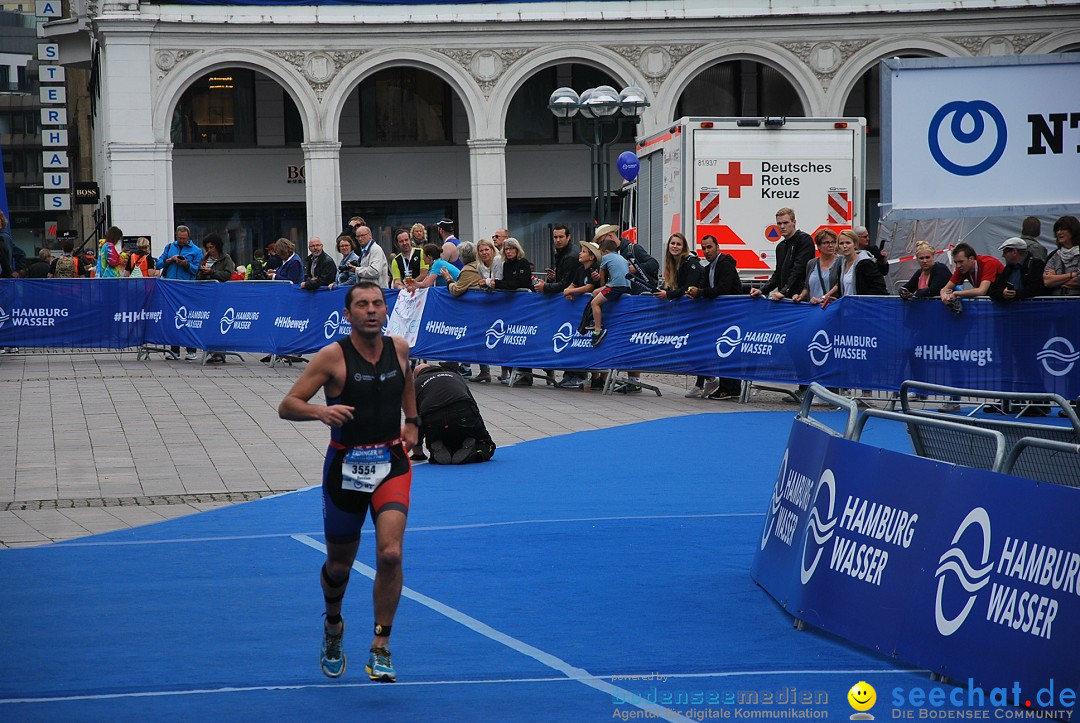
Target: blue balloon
628	165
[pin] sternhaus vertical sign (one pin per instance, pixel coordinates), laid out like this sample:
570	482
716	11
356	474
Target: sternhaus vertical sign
54	135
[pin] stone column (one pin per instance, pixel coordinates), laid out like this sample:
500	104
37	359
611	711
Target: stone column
141	190
487	168
322	183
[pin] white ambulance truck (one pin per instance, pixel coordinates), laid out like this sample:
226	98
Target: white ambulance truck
727	177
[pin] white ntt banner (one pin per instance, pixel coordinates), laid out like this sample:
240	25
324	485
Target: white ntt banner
996	136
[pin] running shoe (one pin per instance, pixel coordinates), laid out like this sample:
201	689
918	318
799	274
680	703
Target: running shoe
598	336
191	356
332	659
379	667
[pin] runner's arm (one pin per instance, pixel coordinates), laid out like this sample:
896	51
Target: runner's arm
296	405
409	432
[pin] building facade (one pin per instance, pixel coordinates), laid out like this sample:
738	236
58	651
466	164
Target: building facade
260	121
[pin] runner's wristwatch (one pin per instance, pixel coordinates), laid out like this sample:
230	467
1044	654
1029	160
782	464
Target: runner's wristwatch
413	420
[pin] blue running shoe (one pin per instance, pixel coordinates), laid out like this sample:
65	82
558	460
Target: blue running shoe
379	666
332	660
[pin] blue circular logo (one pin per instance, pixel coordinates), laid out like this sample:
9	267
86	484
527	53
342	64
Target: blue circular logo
960	111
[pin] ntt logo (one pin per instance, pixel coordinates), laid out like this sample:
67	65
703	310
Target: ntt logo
969	148
1058	356
820	526
820	348
954	564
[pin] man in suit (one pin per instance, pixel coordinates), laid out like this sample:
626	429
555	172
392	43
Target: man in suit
792	255
319	268
720	278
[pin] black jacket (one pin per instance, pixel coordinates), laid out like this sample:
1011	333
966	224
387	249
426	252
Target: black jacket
791	257
640	258
325	272
724	281
939	276
517	274
868	280
1031	280
689	275
566	267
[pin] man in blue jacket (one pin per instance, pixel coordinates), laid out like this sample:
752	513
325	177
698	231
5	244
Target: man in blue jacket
180	261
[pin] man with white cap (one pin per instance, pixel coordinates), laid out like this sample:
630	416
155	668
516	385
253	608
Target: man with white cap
1023	274
449	243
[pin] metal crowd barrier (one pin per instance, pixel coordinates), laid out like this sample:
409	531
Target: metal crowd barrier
1041	452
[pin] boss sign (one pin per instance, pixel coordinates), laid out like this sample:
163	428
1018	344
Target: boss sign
993	136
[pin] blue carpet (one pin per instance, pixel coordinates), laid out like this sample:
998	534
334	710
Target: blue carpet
593	557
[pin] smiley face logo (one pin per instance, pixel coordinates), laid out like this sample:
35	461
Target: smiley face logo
862	697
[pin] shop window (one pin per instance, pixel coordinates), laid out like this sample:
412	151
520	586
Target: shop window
218	109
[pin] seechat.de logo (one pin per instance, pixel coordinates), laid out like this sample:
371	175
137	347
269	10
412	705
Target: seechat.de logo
728	342
494	335
962	142
777	496
820	525
562	337
820	348
4	316
181	317
1058	356
954	564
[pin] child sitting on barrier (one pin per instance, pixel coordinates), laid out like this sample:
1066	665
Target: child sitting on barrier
613	272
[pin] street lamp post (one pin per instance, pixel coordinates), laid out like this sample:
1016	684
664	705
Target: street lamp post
599	115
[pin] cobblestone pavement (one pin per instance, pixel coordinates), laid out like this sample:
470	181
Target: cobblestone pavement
99	441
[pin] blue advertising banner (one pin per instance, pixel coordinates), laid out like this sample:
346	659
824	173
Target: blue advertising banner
969	573
861	342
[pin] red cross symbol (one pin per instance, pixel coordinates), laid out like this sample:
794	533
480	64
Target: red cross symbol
734	179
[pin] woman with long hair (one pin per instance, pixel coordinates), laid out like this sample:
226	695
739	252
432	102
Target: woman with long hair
681	268
109	262
856	273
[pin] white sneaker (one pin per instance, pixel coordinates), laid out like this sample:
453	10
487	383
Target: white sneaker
711	386
171	355
695	393
191	356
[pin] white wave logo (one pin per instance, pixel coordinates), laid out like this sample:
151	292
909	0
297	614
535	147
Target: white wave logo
562	337
227	320
181	317
820	350
774	506
821	530
336	325
4	316
1050	356
494	335
972	579
728	342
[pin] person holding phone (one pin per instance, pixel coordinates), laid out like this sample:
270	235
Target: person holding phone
931	277
1023	274
180	261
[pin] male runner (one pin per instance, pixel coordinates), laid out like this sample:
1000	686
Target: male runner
366	381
